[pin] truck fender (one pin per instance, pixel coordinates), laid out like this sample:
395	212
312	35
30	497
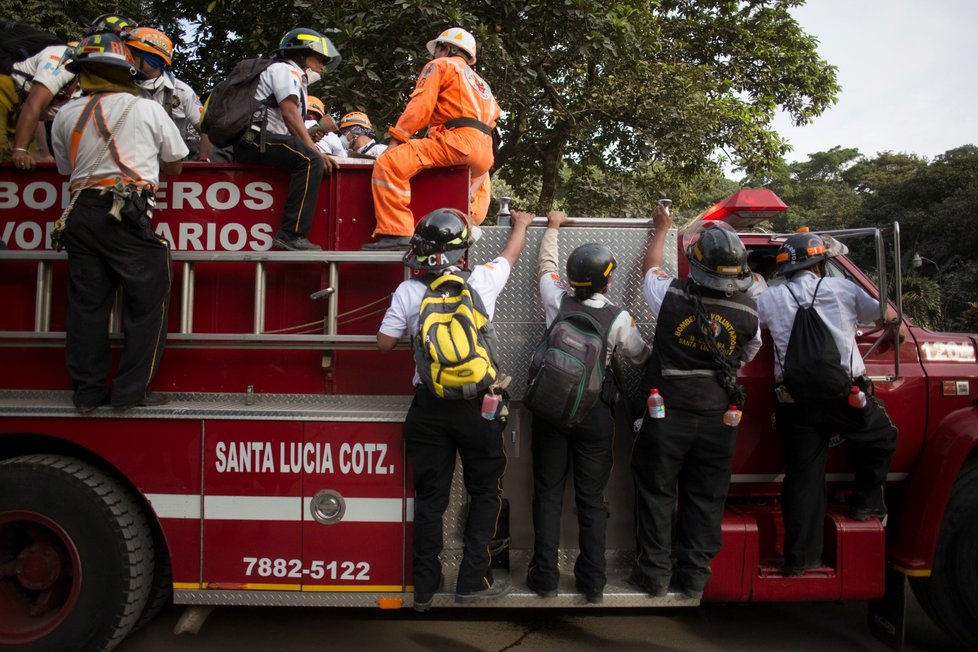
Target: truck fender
954	441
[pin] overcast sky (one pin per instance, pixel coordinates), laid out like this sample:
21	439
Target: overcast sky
909	76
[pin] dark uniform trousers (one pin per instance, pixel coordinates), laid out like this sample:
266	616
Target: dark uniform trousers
435	429
588	446
689	456
305	168
103	253
805	430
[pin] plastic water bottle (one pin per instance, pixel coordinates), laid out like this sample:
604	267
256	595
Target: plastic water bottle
732	416
657	407
490	403
857	397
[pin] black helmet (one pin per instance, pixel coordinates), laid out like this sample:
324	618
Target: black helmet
589	267
440	239
800	251
717	257
302	38
102	49
113	23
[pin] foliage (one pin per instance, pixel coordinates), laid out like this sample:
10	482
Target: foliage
922	301
632	94
69	18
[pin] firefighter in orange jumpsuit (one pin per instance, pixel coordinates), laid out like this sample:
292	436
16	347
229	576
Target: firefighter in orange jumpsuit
460	112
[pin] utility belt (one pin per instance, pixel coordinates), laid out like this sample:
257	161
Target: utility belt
455	123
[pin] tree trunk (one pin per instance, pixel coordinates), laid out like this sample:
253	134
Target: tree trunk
553	153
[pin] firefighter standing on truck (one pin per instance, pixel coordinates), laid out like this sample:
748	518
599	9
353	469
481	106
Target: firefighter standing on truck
805	426
588	444
287	143
436	428
460	112
114	144
706	328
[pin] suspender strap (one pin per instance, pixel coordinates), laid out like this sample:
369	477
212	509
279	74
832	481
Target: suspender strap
113	152
454	123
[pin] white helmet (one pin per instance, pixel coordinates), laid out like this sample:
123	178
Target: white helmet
457	37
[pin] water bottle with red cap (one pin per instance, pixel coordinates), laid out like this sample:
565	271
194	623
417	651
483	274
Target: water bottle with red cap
857	397
732	416
657	407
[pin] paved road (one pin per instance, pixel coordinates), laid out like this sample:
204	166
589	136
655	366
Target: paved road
799	627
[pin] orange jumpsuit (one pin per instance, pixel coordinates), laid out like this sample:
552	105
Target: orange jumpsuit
447	88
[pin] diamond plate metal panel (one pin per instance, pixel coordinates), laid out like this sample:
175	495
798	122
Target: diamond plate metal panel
519	314
298	407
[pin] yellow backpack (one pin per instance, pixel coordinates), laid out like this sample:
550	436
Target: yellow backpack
455	345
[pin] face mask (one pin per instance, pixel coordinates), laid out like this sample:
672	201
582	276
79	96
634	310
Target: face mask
312	77
150	84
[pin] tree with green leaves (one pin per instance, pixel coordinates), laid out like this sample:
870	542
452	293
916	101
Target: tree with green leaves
621	91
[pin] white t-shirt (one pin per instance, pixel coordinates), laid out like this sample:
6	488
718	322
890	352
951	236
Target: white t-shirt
403	315
43	68
282	79
840	303
147	137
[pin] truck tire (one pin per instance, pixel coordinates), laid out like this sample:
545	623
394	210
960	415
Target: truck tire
76	556
950	595
161	588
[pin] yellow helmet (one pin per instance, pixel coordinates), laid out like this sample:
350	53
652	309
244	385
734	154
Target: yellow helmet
356	119
153	41
456	37
316	104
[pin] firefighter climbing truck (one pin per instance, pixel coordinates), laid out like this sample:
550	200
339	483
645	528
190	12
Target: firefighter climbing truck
276	474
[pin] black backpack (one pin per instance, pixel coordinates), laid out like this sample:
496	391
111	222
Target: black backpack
231	107
812	368
567	371
19	41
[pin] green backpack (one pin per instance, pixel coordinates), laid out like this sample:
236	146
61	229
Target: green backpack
456	342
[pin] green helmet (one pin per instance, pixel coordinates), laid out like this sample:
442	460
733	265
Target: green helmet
302	38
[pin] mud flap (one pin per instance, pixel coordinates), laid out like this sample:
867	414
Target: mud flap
887	618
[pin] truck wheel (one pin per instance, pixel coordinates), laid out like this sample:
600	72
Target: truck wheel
161	588
76	556
950	594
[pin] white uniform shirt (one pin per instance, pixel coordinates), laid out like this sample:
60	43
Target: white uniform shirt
655	287
623	333
403	316
330	143
43	68
282	79
144	139
840	303
186	106
373	148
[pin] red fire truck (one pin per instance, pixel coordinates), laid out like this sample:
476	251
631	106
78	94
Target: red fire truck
276	474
